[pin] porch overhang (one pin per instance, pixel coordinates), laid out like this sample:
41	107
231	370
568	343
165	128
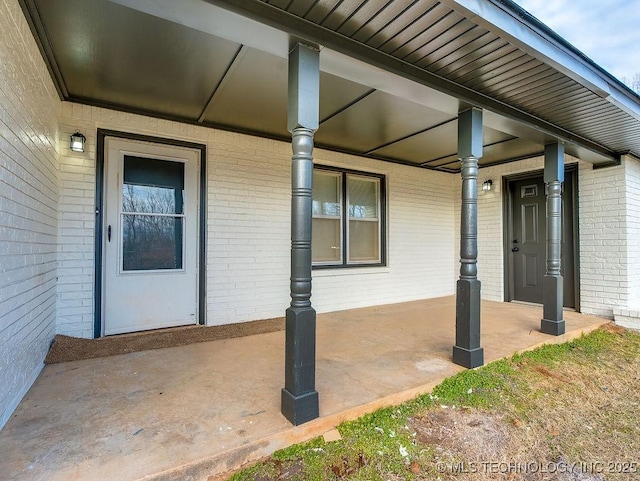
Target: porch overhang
393	75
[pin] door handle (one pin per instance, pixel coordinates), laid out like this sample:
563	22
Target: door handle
109	234
515	249
515	241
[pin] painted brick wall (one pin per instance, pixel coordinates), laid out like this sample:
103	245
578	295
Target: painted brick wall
603	239
420	242
249	218
607	272
248	226
490	225
632	167
28	208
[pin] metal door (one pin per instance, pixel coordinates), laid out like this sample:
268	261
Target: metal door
527	246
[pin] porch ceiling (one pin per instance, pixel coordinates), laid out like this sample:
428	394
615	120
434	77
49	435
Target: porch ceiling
167	61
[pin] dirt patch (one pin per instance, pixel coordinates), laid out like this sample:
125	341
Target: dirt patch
479	445
66	348
476	434
575	420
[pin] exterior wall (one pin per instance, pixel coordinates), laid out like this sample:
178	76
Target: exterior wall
29	108
420	242
628	314
76	221
603	238
608	230
248	226
632	168
490	225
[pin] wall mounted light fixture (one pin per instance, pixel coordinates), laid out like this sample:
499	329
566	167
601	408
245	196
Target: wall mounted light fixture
486	185
77	142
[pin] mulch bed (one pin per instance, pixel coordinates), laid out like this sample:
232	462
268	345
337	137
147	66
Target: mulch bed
67	348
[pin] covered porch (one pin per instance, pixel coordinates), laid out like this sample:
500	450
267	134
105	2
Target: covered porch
215	405
445	86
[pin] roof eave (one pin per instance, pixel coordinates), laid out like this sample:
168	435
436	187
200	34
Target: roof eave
510	21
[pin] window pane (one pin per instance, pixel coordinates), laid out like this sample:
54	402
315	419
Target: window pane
364	241
326	246
148	199
152	186
326	194
151	242
363	197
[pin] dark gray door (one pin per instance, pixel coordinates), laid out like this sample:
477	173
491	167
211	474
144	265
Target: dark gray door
528	242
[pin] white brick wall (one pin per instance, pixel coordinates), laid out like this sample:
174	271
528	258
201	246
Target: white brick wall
248	226
420	242
490	225
28	208
609	230
632	167
625	317
76	221
603	259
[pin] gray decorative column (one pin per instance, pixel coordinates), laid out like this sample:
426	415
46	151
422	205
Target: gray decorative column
467	351
552	285
299	402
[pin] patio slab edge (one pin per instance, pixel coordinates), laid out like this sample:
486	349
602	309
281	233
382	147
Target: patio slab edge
221	466
567	337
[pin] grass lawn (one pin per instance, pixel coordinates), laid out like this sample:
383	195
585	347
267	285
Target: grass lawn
561	412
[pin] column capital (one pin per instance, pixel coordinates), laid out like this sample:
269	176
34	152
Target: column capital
304	88
554	162
470	133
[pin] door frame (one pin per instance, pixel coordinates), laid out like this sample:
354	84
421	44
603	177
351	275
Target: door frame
507	230
101	138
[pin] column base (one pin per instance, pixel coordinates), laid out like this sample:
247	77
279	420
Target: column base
468	358
555	328
300	409
552	297
299	396
467	351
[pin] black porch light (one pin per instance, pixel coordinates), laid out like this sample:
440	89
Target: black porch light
77	142
486	185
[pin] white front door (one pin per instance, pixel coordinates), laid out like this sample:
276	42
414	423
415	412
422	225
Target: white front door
150	236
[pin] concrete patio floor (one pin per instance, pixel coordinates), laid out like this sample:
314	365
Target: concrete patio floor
192	412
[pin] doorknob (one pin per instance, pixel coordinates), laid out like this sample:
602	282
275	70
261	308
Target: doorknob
515	241
109	234
515	249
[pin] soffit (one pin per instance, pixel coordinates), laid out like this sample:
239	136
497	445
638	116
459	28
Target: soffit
439	37
104	53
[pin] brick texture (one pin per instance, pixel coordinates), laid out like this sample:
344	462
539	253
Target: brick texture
632	167
29	108
603	257
248	224
609	233
248	228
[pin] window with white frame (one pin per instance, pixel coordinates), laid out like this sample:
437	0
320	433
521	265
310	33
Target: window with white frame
348	218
